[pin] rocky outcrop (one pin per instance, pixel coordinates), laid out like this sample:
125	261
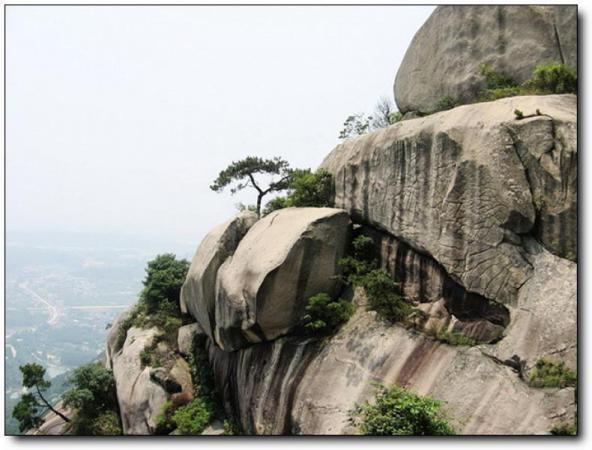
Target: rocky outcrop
444	57
447	304
198	291
459	186
284	259
186	337
141	398
297	386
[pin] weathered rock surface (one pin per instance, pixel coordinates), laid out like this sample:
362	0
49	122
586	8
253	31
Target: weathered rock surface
444	57
285	258
140	397
453	185
198	291
185	337
544	320
113	337
293	385
448	305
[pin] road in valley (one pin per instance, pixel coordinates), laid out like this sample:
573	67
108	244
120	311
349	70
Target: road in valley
52	310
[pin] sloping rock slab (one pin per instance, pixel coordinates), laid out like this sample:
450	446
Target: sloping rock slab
298	386
453	185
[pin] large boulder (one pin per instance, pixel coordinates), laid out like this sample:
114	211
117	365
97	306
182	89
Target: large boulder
141	398
285	258
444	57
466	186
198	291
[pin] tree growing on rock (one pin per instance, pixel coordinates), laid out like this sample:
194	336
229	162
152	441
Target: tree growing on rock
247	173
33	405
384	114
93	397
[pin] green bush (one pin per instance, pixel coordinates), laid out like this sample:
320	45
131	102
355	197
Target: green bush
383	296
323	314
455	338
496	80
165	422
305	189
553	78
564	429
446	103
106	424
547	373
193	417
398	411
162	286
93	399
359	268
158	305
395	117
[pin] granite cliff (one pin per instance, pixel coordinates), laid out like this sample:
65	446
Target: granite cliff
472	211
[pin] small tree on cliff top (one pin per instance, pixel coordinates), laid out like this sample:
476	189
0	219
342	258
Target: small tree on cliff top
32	405
244	173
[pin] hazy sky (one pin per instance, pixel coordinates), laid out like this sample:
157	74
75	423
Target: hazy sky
119	118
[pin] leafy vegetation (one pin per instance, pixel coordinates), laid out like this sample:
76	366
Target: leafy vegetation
158	305
93	399
206	404
564	429
193	417
455	338
384	114
552	78
397	411
446	103
33	404
305	188
324	314
361	269
547	373
243	173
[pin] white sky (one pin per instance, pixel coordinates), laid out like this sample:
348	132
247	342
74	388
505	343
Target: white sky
119	118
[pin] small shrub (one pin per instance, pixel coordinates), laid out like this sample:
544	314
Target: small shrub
519	114
305	189
231	428
164	422
553	78
145	357
193	417
107	424
383	296
564	429
398	411
323	314
496	80
395	117
446	103
360	269
455	338
547	373
489	95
